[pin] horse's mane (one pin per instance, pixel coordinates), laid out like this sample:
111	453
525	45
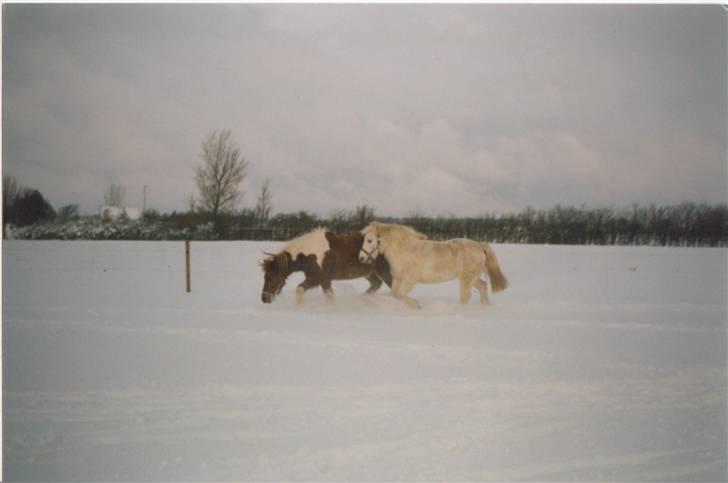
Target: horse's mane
395	231
267	264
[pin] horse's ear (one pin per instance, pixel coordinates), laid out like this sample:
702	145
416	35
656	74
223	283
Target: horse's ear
330	236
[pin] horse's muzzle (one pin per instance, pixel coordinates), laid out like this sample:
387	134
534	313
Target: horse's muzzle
267	297
367	257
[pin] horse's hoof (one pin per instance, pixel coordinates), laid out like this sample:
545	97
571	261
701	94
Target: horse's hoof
414	304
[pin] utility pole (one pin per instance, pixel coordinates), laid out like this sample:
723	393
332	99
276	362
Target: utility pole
144	206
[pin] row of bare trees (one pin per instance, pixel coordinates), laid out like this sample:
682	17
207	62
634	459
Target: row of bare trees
223	169
684	224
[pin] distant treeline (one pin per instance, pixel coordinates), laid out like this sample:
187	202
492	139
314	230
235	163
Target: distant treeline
685	224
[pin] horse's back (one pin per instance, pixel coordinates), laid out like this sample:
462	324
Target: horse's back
464	243
453	245
311	243
348	245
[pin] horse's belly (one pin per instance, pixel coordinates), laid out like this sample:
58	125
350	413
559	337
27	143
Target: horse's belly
437	276
350	273
439	279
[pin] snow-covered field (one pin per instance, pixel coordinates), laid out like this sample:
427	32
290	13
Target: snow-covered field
598	363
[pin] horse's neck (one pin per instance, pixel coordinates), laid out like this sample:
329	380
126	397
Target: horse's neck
393	250
403	243
346	252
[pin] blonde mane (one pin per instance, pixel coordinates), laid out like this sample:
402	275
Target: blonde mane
393	231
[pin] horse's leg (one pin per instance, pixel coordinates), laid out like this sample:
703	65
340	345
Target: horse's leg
469	280
314	277
401	289
303	286
383	271
482	287
374	283
466	287
394	289
386	277
328	291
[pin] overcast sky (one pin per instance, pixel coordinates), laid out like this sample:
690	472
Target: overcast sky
439	109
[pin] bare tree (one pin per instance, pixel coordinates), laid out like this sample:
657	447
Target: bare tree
222	171
362	215
11	189
67	213
114	196
264	205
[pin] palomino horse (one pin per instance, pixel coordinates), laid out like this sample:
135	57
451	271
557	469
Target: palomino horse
414	259
322	256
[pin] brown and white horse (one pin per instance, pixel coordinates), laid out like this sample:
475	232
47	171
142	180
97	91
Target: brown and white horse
414	259
322	256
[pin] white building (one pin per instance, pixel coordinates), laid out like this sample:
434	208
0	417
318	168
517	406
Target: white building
114	213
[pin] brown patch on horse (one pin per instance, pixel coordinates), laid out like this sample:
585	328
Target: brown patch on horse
346	246
342	260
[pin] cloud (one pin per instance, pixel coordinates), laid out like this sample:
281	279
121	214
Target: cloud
437	108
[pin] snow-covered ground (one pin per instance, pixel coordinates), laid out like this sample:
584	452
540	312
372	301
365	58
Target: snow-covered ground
598	363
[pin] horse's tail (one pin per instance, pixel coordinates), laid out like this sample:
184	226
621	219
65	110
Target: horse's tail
498	281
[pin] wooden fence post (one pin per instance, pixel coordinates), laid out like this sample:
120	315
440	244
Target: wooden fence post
187	266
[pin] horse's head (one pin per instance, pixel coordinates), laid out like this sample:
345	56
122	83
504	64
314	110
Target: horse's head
380	237
371	246
275	271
